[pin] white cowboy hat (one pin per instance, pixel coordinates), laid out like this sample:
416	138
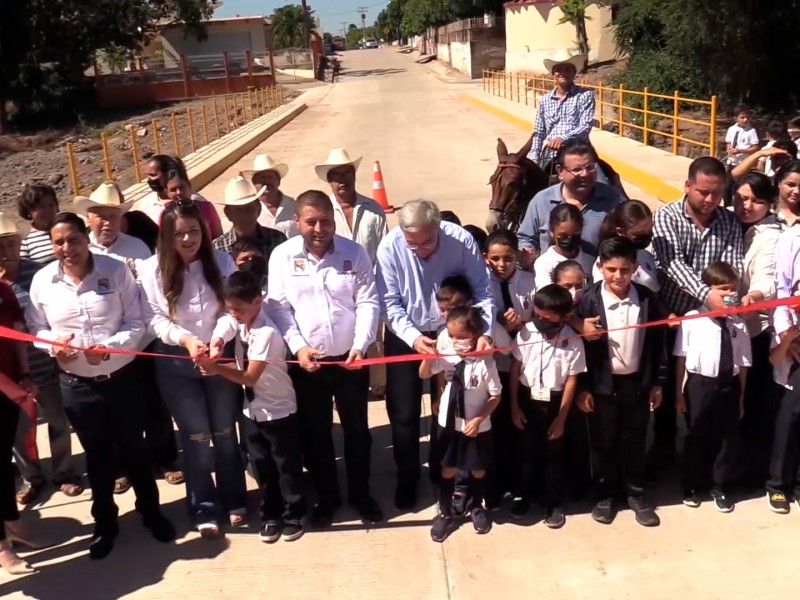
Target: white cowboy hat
239	192
107	194
562	57
338	157
9	227
262	162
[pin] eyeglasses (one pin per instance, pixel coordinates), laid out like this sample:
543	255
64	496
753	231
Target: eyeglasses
430	244
590	168
173	205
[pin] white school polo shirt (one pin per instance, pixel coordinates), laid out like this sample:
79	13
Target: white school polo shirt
481	382
780	372
548	261
645	275
521	288
625	344
547	364
699	341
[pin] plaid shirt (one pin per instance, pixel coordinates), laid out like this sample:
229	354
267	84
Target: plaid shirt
269	238
566	118
683	251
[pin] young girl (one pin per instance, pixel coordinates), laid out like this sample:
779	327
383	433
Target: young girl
39	205
634	220
569	275
464	427
566	225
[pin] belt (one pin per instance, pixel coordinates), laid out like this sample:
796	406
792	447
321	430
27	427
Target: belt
328	359
99	378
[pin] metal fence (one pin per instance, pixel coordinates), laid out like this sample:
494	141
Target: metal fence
639	114
121	157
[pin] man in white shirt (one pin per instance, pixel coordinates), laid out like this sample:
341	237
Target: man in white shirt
278	210
322	296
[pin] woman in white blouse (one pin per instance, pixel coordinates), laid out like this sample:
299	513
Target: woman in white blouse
753	202
88	308
182	302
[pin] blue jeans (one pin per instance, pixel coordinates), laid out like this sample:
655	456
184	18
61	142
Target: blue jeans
205	410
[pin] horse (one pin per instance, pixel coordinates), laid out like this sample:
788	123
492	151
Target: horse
515	181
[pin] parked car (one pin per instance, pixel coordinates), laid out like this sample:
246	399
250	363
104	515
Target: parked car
370	43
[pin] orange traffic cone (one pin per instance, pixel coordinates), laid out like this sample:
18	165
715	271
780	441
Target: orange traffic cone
379	190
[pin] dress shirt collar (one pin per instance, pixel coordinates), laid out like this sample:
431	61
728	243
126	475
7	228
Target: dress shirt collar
612	301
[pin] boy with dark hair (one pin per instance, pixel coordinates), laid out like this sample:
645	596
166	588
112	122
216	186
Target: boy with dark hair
626	369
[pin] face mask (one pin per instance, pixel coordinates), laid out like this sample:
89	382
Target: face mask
570	243
155	185
462	346
642	242
257	266
546	328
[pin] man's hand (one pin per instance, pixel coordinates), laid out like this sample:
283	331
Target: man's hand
306	356
555	143
63	353
585	402
215	348
425	345
95	354
351	358
716	300
484	344
195	347
656	397
556	429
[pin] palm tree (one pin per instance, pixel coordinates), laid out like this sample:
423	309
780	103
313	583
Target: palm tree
575	13
287	27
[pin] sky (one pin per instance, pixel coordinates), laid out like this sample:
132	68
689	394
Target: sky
331	13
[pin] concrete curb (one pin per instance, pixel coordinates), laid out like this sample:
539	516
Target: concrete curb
209	162
648	182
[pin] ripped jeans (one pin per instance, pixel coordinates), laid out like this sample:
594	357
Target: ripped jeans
205	410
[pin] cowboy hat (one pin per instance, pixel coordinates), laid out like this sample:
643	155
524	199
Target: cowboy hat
262	162
9	227
107	194
338	157
564	57
239	192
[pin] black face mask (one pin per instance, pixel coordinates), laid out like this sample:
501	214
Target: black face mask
570	243
643	241
257	266
547	328
155	185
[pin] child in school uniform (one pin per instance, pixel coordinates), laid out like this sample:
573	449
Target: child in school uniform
626	369
464	439
714	354
249	256
565	227
569	275
512	289
543	380
270	428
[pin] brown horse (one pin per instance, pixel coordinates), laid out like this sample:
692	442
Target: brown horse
516	180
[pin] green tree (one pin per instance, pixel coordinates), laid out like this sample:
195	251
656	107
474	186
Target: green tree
287	26
575	13
418	15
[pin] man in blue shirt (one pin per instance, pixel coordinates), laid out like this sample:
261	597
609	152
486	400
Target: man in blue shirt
413	259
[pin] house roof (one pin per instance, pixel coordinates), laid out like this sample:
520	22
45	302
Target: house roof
166	24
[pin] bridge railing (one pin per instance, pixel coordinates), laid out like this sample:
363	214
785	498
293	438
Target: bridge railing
668	121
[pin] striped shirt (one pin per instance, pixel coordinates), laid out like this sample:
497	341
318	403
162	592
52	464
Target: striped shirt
569	117
42	366
37	247
683	251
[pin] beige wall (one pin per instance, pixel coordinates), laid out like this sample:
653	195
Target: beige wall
219	40
443	53
533	33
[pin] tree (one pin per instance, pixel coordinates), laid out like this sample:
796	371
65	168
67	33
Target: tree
287	26
575	13
327	38
418	15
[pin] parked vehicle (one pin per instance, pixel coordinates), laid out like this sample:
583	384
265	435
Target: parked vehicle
370	43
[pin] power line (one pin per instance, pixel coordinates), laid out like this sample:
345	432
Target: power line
349	12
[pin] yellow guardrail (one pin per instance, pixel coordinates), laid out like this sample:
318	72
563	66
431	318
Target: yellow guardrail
121	157
638	110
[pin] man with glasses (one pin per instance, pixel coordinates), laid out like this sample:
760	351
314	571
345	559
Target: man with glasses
413	259
576	165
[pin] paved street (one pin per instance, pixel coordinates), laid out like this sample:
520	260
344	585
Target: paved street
431	145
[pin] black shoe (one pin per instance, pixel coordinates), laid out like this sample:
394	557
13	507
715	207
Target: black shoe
690	498
270	532
162	528
440	528
644	513
405	495
322	516
103	541
459	504
778	503
480	520
520	507
724	503
292	530
369	510
603	512
555	518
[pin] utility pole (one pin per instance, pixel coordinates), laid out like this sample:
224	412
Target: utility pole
344	28
362	10
306	24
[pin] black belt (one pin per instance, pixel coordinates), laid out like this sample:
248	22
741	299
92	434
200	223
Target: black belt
331	359
99	378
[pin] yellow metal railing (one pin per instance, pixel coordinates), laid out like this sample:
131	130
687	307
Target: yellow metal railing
121	157
637	110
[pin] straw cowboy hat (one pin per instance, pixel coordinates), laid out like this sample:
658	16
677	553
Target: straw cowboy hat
9	227
107	194
262	162
338	157
565	57
239	192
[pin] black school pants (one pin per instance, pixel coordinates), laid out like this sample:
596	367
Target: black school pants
784	469
502	476
620	426
665	425
274	449
713	415
9	417
315	397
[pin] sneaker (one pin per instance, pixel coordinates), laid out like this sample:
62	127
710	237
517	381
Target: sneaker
691	499
555	518
459	504
724	503
644	513
520	508
603	512
292	530
270	532
440	528
480	520
778	503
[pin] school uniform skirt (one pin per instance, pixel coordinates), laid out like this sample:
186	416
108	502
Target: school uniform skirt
458	451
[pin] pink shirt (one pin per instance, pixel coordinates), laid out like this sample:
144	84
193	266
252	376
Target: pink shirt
153	207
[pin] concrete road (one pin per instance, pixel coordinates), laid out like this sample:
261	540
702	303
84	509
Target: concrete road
389	108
